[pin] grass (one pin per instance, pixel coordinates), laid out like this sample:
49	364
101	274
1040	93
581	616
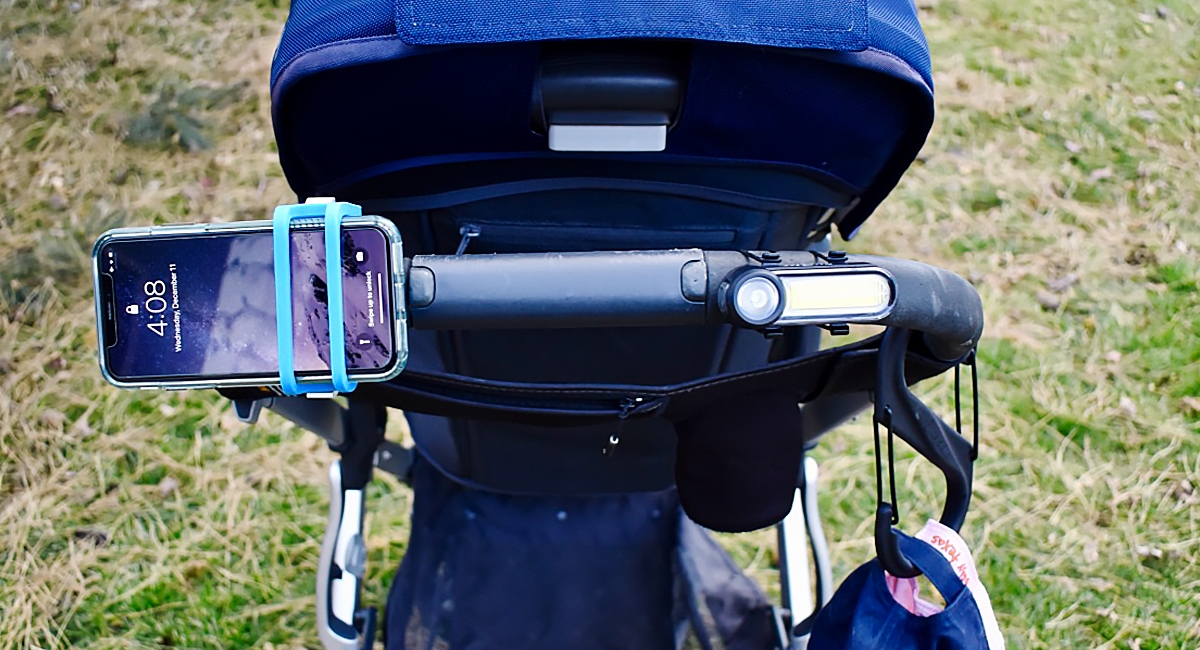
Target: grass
1060	177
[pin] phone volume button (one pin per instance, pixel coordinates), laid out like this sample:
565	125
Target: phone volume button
177	228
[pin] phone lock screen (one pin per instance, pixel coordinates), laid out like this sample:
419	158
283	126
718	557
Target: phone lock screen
201	306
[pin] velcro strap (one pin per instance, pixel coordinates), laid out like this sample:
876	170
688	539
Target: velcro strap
846	369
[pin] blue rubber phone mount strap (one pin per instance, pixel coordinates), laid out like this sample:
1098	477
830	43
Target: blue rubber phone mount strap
281	230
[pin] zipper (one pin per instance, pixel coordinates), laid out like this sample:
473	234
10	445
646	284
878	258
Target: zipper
628	404
505	237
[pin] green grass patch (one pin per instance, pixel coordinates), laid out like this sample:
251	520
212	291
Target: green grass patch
1060	178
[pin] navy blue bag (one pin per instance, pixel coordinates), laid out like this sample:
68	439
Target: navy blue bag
863	615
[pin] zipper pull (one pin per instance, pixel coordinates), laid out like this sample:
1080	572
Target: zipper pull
468	231
627	405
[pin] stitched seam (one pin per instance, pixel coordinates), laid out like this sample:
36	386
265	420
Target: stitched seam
365	39
633	24
411	20
894	58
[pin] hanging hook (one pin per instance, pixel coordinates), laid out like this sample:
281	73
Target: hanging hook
897	409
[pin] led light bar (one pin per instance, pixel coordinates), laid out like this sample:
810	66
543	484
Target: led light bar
818	295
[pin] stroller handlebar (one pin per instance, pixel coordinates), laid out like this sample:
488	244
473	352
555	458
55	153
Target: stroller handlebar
760	290
938	303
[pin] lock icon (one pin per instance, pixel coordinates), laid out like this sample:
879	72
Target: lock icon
132	309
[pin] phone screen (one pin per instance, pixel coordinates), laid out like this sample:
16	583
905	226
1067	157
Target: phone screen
203	305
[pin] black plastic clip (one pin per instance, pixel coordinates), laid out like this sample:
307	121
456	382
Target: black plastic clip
833	258
765	259
771	333
247	410
836	329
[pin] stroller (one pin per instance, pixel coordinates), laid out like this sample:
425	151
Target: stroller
618	216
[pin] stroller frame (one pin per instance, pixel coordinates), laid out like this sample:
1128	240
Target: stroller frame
950	315
352	430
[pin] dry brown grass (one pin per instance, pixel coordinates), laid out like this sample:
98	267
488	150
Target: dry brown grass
1061	178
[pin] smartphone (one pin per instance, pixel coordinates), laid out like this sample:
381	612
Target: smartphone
193	306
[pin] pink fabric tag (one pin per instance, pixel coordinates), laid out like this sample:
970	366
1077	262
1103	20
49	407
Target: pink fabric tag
954	549
906	592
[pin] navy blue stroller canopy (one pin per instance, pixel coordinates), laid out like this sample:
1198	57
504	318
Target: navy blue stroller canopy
821	101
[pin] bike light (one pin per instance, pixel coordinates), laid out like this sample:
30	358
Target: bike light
756	297
841	296
773	297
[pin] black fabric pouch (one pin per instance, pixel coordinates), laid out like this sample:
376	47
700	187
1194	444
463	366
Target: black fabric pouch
737	464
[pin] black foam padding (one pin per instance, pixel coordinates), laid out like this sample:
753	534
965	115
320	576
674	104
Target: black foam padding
738	462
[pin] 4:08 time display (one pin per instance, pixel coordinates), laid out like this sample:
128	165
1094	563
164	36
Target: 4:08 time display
156	303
